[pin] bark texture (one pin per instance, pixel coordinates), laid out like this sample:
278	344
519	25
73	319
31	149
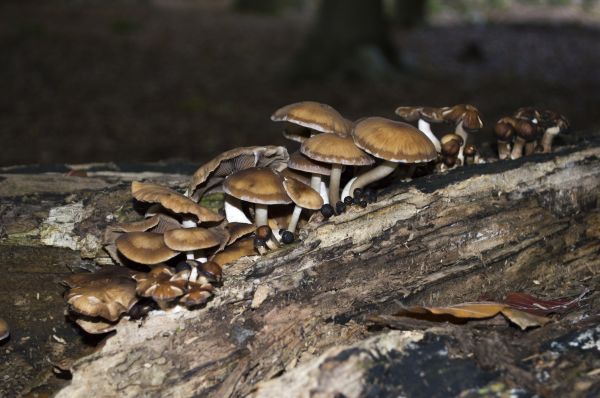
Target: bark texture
295	321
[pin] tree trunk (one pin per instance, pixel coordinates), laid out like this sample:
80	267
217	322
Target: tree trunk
294	322
348	35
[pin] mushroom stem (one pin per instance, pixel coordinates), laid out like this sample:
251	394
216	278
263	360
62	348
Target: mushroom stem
294	219
383	170
503	149
517	150
346	190
464	135
233	210
334	183
548	137
261	215
530	147
316	183
324	192
188	223
425	127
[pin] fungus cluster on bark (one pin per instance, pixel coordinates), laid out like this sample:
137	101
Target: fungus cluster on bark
175	254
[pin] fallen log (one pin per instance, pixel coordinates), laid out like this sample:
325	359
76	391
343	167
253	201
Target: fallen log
530	225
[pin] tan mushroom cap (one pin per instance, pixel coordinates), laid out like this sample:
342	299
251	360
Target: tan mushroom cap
393	141
4	330
144	247
300	176
107	300
302	195
198	293
186	239
238	230
95	326
137	226
257	185
297	133
315	116
303	163
172	200
237	159
465	113
240	248
330	148
160	283
451	137
414	113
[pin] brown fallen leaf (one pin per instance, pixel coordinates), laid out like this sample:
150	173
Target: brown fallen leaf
475	310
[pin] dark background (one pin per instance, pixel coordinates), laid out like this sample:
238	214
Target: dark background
96	81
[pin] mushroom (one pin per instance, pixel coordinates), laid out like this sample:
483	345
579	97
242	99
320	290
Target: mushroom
264	238
504	131
260	186
314	115
471	154
190	240
172	200
4	330
162	284
213	172
297	133
197	294
553	124
144	247
525	131
304	197
424	117
238	249
95	325
451	144
392	141
107	299
316	169
467	119
337	151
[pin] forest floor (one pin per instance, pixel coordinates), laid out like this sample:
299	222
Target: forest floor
149	81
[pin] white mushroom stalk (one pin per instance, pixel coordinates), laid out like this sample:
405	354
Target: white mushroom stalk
188	223
261	214
375	174
334	183
294	220
464	135
425	127
233	210
548	137
346	191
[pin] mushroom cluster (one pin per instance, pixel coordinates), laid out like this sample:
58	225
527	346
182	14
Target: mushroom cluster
175	254
527	131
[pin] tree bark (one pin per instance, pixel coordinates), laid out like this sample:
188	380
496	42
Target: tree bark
294	321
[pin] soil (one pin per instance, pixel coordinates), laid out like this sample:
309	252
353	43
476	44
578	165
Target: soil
139	81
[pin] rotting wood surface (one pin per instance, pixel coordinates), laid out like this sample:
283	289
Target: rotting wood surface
530	225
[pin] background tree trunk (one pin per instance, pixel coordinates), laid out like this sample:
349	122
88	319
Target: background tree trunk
344	33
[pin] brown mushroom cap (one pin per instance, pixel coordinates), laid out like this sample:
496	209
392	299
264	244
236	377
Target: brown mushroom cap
528	112
470	150
234	160
526	130
187	239
302	194
257	185
95	326
137	226
414	113
238	230
300	176
198	293
4	330
297	133
505	128
467	114
550	119
393	141
315	116
160	283
303	163
333	149
107	300
451	144
144	247
172	200
240	248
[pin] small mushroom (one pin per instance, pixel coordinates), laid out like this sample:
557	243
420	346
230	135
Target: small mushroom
316	169
265	237
315	116
304	197
553	124
144	247
261	186
525	131
191	239
467	119
197	294
338	152
504	130
451	144
424	117
471	154
4	330
240	248
394	142
162	284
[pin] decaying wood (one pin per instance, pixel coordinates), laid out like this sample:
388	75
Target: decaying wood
483	230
